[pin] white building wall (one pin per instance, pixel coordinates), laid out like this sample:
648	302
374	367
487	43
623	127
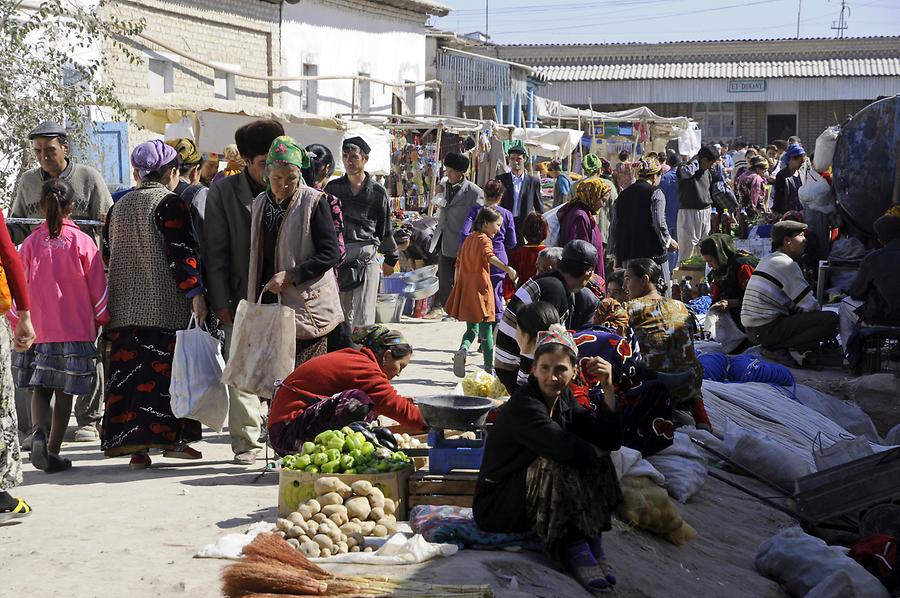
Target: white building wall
345	38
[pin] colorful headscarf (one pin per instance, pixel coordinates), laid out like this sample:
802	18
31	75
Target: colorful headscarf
285	150
590	164
187	150
649	167
730	259
556	335
593	192
611	314
378	337
150	156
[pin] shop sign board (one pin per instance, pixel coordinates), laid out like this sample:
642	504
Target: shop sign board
746	85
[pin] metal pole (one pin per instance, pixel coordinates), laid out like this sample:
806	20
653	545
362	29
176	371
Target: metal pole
487	10
799	8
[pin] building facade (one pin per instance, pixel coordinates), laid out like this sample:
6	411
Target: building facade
358	41
753	90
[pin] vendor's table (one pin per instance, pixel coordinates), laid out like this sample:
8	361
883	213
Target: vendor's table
457	488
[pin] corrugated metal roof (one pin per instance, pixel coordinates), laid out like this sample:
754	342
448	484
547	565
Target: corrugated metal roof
705	41
862	67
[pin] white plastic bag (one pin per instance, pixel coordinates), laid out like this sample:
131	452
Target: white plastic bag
552	218
825	144
843	451
196	388
801	563
721	328
683	466
763	456
263	347
815	193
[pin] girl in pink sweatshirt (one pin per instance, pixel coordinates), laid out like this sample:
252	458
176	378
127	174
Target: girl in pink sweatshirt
68	290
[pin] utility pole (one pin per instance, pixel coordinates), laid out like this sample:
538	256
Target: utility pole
487	11
799	8
841	25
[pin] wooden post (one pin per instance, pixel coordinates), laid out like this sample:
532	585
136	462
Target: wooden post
434	174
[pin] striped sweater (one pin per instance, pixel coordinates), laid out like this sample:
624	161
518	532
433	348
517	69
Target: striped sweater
776	289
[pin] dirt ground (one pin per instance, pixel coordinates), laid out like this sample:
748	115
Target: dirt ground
102	530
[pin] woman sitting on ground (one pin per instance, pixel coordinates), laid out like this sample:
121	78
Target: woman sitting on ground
663	328
546	464
333	390
644	397
731	271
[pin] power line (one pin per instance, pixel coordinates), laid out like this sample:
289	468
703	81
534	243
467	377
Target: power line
842	24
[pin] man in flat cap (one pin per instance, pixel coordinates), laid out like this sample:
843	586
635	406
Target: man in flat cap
367	230
92	201
460	195
780	311
523	191
694	201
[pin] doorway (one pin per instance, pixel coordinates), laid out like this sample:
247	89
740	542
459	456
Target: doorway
780	126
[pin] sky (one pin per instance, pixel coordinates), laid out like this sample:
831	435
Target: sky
564	21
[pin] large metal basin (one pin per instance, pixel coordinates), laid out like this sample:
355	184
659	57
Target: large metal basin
454	412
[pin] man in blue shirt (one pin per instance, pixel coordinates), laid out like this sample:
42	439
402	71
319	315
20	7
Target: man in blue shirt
669	185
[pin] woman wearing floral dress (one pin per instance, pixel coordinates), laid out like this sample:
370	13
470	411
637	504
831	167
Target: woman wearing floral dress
662	327
154	287
10	464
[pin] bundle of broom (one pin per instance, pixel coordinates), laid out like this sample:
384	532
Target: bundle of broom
272	568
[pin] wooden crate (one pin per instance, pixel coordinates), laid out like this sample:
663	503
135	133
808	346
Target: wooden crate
457	488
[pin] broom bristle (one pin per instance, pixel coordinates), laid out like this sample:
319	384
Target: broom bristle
260	577
270	547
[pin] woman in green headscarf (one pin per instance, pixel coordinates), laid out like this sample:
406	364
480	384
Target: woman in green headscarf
731	270
595	168
294	249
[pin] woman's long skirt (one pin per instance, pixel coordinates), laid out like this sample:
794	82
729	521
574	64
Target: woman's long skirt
138	413
567	504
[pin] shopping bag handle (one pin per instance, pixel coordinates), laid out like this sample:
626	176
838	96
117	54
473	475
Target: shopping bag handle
259	299
196	324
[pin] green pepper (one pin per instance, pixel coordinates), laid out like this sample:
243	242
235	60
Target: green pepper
347	462
383	466
367	448
350	471
331	466
352	443
312	469
308	448
347	431
302	462
370	470
333	454
320	459
288	461
324	437
356	454
397	466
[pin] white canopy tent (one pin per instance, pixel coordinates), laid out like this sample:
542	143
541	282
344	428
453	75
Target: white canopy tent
212	126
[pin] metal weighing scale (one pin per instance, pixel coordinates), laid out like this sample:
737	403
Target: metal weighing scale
460	413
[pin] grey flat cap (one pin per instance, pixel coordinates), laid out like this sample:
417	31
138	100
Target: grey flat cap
48	128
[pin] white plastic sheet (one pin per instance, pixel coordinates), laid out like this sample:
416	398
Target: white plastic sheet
398	550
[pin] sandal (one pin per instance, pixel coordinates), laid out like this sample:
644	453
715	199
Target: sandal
459	363
182	452
593	579
22	509
607	571
140	461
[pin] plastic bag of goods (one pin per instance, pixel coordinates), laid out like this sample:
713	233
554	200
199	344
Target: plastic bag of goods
815	194
825	144
648	506
765	457
481	384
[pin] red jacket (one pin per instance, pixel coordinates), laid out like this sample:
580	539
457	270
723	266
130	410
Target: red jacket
336	372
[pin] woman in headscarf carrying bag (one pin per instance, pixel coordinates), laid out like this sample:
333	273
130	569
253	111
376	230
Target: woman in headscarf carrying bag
294	249
578	218
154	286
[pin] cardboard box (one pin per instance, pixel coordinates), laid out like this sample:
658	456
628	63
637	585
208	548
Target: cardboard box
294	487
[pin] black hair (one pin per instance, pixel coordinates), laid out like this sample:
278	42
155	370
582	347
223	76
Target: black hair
536	317
618	277
255	138
156	175
184	168
494	188
623	155
672	158
555	166
556	348
535	229
646	267
57	199
486	215
321	164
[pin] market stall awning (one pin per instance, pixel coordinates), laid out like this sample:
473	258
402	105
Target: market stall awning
547	143
212	124
551	110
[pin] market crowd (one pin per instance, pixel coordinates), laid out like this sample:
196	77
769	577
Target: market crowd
569	296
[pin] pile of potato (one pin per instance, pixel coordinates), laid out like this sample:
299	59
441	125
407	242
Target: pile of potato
338	519
405	441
